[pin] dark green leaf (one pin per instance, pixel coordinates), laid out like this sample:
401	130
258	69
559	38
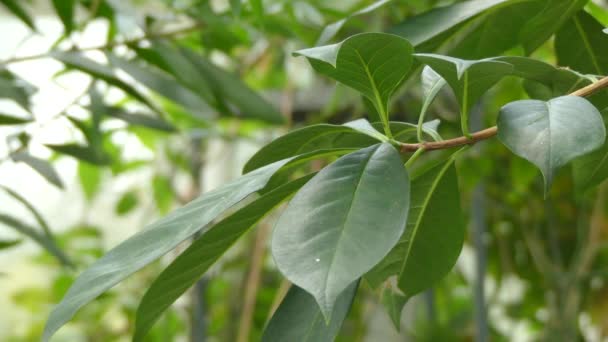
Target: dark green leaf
332	29
550	134
43	167
189	266
591	169
15	7
335	244
433	239
542	26
12	120
88	154
65	11
15	88
372	63
4	244
298	318
126	203
153	242
394	302
78	61
315	137
581	45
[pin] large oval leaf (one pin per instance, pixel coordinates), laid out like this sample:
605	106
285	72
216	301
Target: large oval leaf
343	222
550	134
189	266
372	63
434	234
298	318
153	242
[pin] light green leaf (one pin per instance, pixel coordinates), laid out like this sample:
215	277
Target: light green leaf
433	239
154	241
315	137
14	7
189	266
542	26
432	83
332	29
163	193
90	179
468	79
372	63
43	167
65	11
88	154
581	45
298	318
356	209
126	203
394	303
550	134
13	120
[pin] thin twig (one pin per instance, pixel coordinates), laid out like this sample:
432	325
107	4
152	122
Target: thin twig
113	44
492	131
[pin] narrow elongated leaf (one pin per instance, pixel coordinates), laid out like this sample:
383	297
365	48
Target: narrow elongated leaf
468	79
356	209
434	235
422	29
88	154
581	45
189	266
231	89
4	244
78	61
39	219
162	84
43	167
15	88
298	318
140	119
332	29
315	137
372	63
15	7
44	241
432	83
153	242
550	134
12	120
65	11
548	21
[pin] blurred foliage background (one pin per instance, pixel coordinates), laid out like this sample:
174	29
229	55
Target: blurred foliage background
112	113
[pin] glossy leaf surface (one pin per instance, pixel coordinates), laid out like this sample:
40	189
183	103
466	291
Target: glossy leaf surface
348	225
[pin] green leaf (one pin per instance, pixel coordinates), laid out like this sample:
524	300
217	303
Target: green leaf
433	239
78	61
126	203
394	302
12	120
15	7
162	84
230	88
154	241
43	167
591	169
65	11
315	137
87	154
372	63
15	88
4	244
581	45
550	134
332	29
140	119
298	318
432	83
189	266
43	240
39	219
90	179
356	209
423	29
468	79
542	26
163	193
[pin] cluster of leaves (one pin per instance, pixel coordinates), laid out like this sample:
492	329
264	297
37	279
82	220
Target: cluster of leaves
365	217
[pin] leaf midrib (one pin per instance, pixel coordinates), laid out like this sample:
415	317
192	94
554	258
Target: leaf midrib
586	43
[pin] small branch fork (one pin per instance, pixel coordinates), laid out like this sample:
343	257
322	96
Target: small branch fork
489	132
